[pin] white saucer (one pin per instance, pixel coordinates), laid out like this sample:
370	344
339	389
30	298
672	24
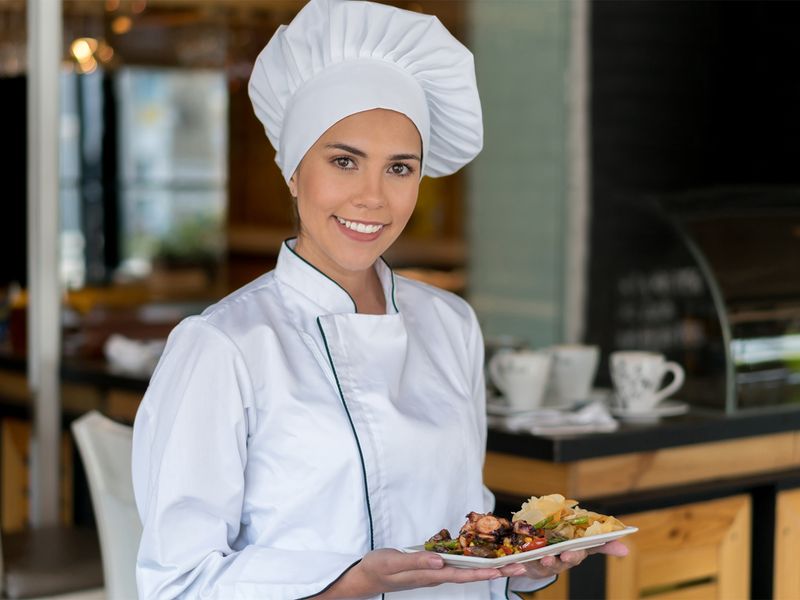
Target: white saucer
561	404
497	406
666	408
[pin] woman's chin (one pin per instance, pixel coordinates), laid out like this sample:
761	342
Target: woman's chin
360	258
358	265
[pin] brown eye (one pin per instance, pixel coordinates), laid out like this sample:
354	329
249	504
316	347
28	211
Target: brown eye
343	162
401	169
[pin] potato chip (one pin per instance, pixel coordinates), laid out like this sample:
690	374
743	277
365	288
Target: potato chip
560	510
603	525
536	509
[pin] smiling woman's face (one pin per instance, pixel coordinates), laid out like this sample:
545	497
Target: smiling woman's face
356	188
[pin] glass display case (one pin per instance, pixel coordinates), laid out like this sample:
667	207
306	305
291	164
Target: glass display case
711	279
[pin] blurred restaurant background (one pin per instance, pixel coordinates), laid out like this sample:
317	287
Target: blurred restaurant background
638	189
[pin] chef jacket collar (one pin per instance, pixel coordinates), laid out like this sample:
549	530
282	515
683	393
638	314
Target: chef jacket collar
295	271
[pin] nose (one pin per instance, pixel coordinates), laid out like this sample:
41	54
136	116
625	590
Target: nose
370	192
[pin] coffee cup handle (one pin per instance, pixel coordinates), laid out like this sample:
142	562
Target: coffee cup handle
678	375
495	372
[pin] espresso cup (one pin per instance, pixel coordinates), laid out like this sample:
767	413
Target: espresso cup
637	377
573	372
521	377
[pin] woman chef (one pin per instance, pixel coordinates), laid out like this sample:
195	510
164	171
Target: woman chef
330	410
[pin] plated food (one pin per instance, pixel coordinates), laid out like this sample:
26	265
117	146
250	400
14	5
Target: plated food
542	522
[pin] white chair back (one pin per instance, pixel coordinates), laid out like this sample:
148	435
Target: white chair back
105	448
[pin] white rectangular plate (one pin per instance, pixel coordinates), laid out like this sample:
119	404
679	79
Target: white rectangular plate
476	562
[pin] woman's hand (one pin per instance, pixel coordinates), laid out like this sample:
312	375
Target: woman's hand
553	565
388	570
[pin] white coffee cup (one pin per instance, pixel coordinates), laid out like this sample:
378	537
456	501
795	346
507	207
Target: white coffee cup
637	377
573	371
521	376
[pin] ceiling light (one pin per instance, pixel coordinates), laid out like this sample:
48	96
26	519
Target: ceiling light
121	25
87	66
104	52
83	48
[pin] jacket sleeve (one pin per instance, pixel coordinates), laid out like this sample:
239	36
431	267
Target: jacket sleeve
189	457
500	587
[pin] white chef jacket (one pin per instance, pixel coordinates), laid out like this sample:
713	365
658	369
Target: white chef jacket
284	435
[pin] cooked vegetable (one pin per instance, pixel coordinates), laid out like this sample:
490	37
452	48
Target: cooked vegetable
442	542
541	524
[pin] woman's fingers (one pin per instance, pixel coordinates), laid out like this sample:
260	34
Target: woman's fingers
545	567
455	575
614	548
553	565
428	568
516	570
421	560
571	558
432	577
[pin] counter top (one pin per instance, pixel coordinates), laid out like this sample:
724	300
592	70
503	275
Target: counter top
698	426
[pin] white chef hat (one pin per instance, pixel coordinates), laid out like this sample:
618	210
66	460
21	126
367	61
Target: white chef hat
340	57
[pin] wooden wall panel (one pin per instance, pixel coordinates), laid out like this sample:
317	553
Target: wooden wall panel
122	405
614	475
525	476
557	591
787	546
696	592
685	464
15	475
14	388
688	551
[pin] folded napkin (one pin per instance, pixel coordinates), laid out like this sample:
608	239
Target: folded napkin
589	418
133	356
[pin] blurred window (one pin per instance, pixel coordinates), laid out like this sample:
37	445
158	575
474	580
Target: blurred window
173	138
143	171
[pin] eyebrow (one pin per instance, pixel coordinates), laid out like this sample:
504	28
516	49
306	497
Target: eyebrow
405	157
362	154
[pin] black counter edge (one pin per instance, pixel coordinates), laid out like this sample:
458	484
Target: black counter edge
668	433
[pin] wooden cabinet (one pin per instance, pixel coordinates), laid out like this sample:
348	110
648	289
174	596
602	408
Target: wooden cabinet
699	550
15	441
787	545
557	591
15	437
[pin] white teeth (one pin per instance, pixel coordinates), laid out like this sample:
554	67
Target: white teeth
360	227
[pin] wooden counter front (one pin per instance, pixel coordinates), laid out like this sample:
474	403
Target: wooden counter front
695	508
640	471
787	545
